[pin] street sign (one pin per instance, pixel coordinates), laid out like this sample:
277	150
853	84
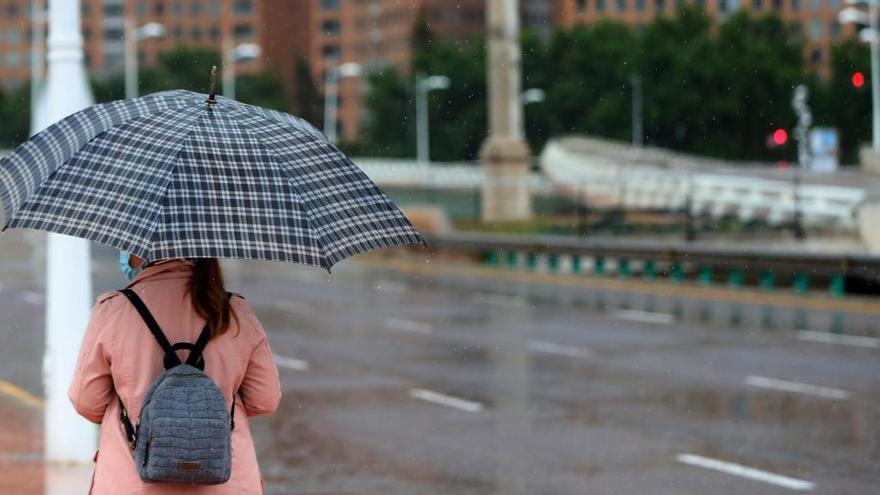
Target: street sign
824	149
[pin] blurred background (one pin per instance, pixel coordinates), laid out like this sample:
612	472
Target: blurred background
653	227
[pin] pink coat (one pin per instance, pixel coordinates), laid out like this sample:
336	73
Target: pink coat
120	355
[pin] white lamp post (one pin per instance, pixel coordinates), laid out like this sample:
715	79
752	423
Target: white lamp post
38	61
331	95
870	35
133	35
233	55
424	85
68	438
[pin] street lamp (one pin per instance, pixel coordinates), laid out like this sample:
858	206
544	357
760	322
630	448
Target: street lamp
331	95
424	85
233	55
151	30
854	15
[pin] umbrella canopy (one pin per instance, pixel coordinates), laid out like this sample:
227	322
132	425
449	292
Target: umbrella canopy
171	175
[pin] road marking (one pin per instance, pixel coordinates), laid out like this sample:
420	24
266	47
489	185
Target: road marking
32	297
390	287
21	395
559	349
645	316
409	326
291	306
445	400
506	301
796	388
290	363
836	338
746	472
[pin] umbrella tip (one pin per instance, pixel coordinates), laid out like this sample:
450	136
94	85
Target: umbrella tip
212	95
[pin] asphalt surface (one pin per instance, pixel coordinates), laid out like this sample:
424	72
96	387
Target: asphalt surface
429	384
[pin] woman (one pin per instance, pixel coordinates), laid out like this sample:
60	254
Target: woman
120	356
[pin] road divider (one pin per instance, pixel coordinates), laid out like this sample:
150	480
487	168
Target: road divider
746	472
796	387
445	400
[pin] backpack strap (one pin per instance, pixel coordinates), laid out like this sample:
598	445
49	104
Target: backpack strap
170	355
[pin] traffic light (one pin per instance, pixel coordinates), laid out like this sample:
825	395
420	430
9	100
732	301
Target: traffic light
780	137
858	80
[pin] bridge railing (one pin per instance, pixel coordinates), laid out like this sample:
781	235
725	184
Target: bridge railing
736	267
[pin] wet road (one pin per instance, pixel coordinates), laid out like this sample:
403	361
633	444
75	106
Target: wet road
419	384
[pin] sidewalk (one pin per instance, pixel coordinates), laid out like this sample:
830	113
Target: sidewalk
22	470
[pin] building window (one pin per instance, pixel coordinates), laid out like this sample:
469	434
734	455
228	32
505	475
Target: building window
835	29
243	7
330	28
196	34
700	4
86	10
178	33
757	4
777	4
243	31
13	36
796	28
12	10
113	34
330	52
177	8
581	6
12	59
113	10
330	4
600	5
816	29
816	5
621	5
816	55
834	5
214	32
640	5
87	33
679	4
141	9
661	5
159	9
215	8
796	5
196	8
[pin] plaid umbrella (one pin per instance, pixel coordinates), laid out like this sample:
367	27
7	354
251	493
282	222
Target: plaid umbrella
172	175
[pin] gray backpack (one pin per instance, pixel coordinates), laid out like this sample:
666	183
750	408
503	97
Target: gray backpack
184	431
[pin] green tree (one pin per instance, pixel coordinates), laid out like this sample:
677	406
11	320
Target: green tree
15	110
307	100
387	129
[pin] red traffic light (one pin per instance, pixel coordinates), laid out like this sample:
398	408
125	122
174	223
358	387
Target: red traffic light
858	79
780	137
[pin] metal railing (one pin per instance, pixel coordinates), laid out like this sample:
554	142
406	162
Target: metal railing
705	264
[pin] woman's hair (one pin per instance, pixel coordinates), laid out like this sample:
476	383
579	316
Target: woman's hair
209	295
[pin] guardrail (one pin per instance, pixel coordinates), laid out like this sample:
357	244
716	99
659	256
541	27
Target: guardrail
707	265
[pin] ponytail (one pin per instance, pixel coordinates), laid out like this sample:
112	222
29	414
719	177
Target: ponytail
209	295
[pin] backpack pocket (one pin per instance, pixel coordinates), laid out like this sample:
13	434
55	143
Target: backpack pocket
187	450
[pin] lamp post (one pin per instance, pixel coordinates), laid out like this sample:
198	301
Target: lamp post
425	85
151	30
331	95
38	61
871	35
233	55
68	438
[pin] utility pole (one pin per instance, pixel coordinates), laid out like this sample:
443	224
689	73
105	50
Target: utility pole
69	439
505	154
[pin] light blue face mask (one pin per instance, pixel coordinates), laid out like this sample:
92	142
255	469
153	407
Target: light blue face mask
127	270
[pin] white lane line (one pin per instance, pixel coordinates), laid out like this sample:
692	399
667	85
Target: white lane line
290	363
645	316
32	297
795	387
409	326
559	349
390	287
506	301
746	472
836	338
445	400
291	306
